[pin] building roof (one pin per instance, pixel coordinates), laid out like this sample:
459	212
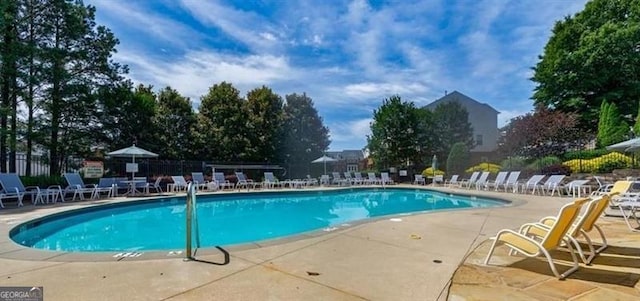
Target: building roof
457	96
347	154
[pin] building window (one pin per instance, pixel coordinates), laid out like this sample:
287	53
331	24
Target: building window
352	167
478	140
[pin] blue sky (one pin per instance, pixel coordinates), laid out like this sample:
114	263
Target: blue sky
346	55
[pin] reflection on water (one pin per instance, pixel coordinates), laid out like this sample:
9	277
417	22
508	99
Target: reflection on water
228	220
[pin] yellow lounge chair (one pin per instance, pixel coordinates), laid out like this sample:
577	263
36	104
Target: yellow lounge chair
551	240
584	224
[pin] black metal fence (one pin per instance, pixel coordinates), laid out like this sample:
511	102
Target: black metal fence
589	163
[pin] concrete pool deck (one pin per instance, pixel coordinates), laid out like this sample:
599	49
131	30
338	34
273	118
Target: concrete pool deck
430	256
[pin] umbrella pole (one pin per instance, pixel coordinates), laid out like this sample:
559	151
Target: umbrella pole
133	174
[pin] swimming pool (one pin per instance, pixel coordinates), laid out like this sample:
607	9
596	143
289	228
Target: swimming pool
225	219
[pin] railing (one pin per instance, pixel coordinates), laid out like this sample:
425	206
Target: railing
192	221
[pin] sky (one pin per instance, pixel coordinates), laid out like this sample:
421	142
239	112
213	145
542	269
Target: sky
348	56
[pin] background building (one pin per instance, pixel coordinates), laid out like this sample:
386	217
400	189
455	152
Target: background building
483	119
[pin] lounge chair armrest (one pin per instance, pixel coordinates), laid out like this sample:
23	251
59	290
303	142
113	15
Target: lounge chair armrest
58	187
28	188
534	230
547	220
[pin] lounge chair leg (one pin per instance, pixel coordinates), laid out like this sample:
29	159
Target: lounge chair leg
579	248
626	218
604	240
493	247
592	251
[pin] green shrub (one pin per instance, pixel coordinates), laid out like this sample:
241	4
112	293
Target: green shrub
584	154
43	181
544	162
513	163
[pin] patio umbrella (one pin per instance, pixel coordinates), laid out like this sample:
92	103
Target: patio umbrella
324	159
133	152
626	146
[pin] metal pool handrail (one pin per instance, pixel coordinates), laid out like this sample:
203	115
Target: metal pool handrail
192	220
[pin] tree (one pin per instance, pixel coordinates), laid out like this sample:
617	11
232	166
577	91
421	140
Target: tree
305	136
32	32
394	133
542	133
222	133
76	59
265	119
452	122
8	81
592	56
458	159
175	124
611	128
426	137
127	117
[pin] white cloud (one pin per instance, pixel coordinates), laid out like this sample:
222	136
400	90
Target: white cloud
505	116
141	24
244	26
344	134
383	90
347	56
194	73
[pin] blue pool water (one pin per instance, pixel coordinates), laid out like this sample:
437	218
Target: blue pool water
225	219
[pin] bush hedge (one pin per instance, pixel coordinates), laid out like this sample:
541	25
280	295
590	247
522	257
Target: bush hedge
602	164
490	167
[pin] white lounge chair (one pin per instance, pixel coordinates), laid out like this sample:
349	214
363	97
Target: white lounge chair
552	184
471	181
452	181
244	182
385	179
419	180
77	186
179	184
482	180
270	181
221	182
338	180
532	184
511	182
350	179
373	179
359	179
499	180
197	178
12	187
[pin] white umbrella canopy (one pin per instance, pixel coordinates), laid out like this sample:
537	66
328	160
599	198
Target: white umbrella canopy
324	159
133	152
626	146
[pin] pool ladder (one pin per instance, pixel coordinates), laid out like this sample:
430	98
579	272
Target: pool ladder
192	221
